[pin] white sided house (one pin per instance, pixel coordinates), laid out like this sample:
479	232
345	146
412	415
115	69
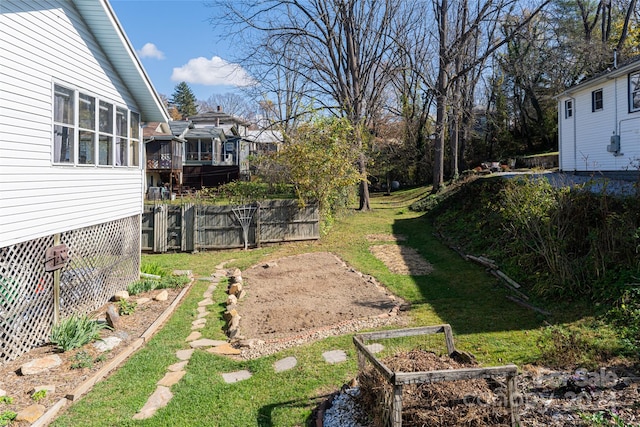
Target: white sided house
73	95
599	124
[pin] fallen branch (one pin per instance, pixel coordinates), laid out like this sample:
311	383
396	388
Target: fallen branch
508	279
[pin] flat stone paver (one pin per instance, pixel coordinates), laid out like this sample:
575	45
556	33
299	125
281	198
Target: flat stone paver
334	356
202	315
184	354
177	366
234	377
205	302
375	347
202	309
193	336
285	364
206	342
171	378
157	400
225	349
199	322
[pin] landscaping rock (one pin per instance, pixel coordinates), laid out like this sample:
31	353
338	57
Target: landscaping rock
334	356
229	314
113	318
250	343
162	296
40	365
205	302
30	414
143	301
198	322
231	300
121	295
183	273
202	315
235	289
242	294
107	344
2	393
235	273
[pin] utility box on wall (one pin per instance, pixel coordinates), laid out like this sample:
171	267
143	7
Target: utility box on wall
614	144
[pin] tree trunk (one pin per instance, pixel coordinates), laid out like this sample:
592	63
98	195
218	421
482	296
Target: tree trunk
441	99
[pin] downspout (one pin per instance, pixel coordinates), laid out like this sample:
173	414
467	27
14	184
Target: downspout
575	136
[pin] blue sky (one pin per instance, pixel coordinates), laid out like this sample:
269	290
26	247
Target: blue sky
176	42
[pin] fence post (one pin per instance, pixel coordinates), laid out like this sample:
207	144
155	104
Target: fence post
258	231
160	228
187	244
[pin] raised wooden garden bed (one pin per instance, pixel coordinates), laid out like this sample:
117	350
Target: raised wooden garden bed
399	379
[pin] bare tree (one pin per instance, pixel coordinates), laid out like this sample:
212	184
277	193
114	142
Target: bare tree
345	50
478	20
231	103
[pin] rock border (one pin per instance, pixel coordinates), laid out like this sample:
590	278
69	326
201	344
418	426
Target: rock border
85	387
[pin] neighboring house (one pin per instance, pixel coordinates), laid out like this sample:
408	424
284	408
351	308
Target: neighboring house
164	158
214	148
258	142
73	95
599	124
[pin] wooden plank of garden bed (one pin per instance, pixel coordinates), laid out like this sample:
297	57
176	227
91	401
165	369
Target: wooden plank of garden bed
410	332
429	377
364	351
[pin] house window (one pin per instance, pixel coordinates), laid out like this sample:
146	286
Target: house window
568	108
634	91
106	134
597	100
63	124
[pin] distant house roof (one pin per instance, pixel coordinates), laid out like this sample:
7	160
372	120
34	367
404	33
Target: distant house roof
264	136
108	32
218	118
206	132
179	127
159	131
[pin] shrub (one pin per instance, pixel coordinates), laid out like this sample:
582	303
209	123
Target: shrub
154	268
75	331
626	318
126	307
6	417
142	285
39	395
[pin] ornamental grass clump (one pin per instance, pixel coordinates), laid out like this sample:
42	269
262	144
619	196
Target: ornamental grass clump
75	331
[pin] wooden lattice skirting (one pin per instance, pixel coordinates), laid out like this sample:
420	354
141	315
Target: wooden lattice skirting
103	259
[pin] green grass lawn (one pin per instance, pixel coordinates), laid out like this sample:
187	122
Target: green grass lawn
460	293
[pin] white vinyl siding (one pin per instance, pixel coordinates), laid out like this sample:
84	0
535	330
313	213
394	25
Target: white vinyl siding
44	43
583	140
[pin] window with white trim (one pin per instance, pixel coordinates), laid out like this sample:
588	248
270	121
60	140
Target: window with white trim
90	131
597	100
634	91
568	108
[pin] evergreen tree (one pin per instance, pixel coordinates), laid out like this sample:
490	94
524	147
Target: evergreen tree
184	100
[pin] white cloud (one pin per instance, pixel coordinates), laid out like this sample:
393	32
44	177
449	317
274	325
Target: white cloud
150	50
212	72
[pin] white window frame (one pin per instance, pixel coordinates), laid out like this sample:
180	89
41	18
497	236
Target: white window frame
130	138
594	100
634	91
568	108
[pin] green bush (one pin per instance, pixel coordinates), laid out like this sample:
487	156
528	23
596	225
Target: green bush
626	317
154	268
142	285
75	331
126	307
6	417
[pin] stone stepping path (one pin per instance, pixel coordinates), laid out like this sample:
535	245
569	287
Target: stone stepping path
175	372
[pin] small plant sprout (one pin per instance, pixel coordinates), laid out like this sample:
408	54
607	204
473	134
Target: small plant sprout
39	395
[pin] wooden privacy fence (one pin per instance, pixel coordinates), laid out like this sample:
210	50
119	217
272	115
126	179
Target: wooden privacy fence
191	228
397	380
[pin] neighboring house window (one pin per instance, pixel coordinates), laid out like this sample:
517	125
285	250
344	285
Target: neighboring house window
568	109
105	133
597	103
634	91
